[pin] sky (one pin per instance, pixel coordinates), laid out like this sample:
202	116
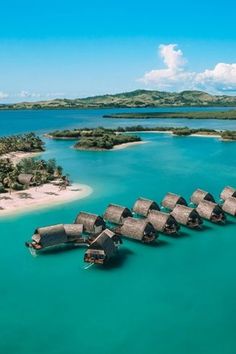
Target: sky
70	48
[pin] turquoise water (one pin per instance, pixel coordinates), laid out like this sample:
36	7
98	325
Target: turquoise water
175	297
44	121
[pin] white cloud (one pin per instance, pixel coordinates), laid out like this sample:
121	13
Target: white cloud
176	76
3	95
172	57
27	94
222	77
33	95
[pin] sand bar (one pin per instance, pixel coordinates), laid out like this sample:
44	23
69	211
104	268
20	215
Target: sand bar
126	145
40	197
199	135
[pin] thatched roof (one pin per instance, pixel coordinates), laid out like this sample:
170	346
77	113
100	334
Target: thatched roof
90	221
73	230
114	236
25	178
200	195
136	228
109	233
207	209
171	200
105	243
160	220
228	192
229	206
116	213
50	235
142	206
184	214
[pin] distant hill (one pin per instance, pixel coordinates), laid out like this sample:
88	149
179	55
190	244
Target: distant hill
138	98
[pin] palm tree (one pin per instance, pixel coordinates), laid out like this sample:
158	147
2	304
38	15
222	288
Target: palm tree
65	182
58	172
37	178
10	180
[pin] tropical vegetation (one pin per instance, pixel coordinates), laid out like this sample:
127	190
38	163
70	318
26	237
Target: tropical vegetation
102	137
224	115
25	142
38	171
105	142
95	139
228	135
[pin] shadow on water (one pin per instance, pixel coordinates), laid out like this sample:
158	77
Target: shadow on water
229	222
119	260
180	235
157	243
204	228
61	249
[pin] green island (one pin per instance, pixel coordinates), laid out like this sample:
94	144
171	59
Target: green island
18	173
95	139
225	115
134	99
102	138
225	135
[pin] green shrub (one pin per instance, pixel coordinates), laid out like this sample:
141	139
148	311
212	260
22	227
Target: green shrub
17	186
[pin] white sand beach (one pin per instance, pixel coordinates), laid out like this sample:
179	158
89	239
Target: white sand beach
116	147
41	197
206	135
126	145
199	135
16	157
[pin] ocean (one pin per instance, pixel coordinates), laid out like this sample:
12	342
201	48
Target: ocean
177	296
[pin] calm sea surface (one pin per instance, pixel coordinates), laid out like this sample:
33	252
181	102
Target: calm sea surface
177	297
44	121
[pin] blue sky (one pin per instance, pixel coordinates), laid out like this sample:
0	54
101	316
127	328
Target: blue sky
70	48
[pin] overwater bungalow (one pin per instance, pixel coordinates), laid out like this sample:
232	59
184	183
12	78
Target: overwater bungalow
211	211
229	206
25	178
50	236
171	200
138	229
114	236
73	231
200	195
101	249
116	214
228	192
163	222
143	206
187	216
92	223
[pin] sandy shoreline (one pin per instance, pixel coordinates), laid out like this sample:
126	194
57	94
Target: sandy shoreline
123	146
48	136
126	145
171	133
41	197
116	147
206	135
17	156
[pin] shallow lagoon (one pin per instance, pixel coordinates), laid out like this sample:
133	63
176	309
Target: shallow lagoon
175	297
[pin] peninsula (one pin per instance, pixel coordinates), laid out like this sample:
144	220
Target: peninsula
224	115
134	99
27	183
105	139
